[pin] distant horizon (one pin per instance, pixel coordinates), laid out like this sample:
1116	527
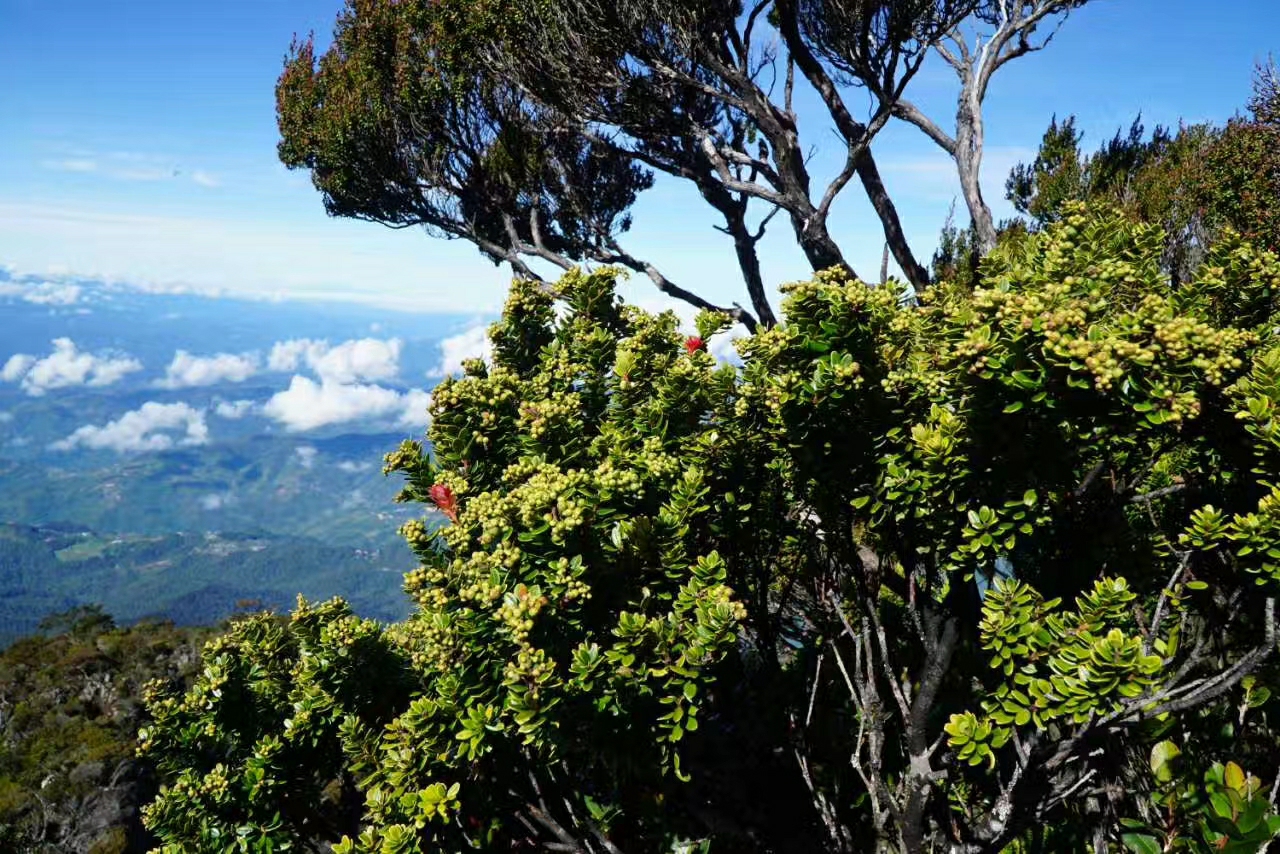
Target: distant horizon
389	303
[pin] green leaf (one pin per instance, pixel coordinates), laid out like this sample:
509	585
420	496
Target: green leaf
1141	843
1233	776
1163	757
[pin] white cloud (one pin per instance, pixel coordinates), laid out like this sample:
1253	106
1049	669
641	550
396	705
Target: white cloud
204	179
52	293
5	417
125	166
252	258
353	467
346	390
42	292
216	500
16	367
357	360
287	355
146	173
66	366
308	404
187	370
76	164
151	427
233	409
472	344
306	455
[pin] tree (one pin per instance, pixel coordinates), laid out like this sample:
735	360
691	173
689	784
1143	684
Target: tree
1001	31
947	576
1194	182
401	128
1242	167
439	114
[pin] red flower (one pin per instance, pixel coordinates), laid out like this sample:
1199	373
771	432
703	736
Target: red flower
693	344
444	498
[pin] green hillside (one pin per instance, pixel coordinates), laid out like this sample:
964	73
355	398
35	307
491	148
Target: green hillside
328	489
192	579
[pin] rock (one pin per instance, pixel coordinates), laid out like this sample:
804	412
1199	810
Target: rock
86	774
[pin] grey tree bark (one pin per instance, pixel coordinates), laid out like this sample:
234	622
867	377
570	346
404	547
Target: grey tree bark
1013	26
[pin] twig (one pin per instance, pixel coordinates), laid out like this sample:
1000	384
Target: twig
1158	493
813	695
1158	617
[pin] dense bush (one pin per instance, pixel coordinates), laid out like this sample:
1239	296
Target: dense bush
994	571
1197	182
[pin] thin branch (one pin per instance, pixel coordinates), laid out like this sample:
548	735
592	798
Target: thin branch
616	255
763	224
1158	617
951	58
904	705
751	20
721	166
1158	493
838	183
813	694
519	245
1062	796
741	158
909	112
1089	478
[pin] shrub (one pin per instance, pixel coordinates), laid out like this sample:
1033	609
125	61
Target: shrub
914	577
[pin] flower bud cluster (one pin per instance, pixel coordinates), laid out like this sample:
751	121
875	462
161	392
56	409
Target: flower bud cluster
416	534
423	577
1081	327
659	463
565	574
404	458
518	611
557	410
610	476
492	392
215	784
531	665
429	638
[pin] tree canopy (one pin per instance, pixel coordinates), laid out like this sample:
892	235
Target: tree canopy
1194	181
991	572
530	129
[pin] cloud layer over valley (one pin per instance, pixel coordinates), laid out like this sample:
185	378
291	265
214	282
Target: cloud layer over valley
187	371
345	386
66	366
151	427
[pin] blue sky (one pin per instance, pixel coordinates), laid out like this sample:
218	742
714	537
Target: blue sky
138	142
